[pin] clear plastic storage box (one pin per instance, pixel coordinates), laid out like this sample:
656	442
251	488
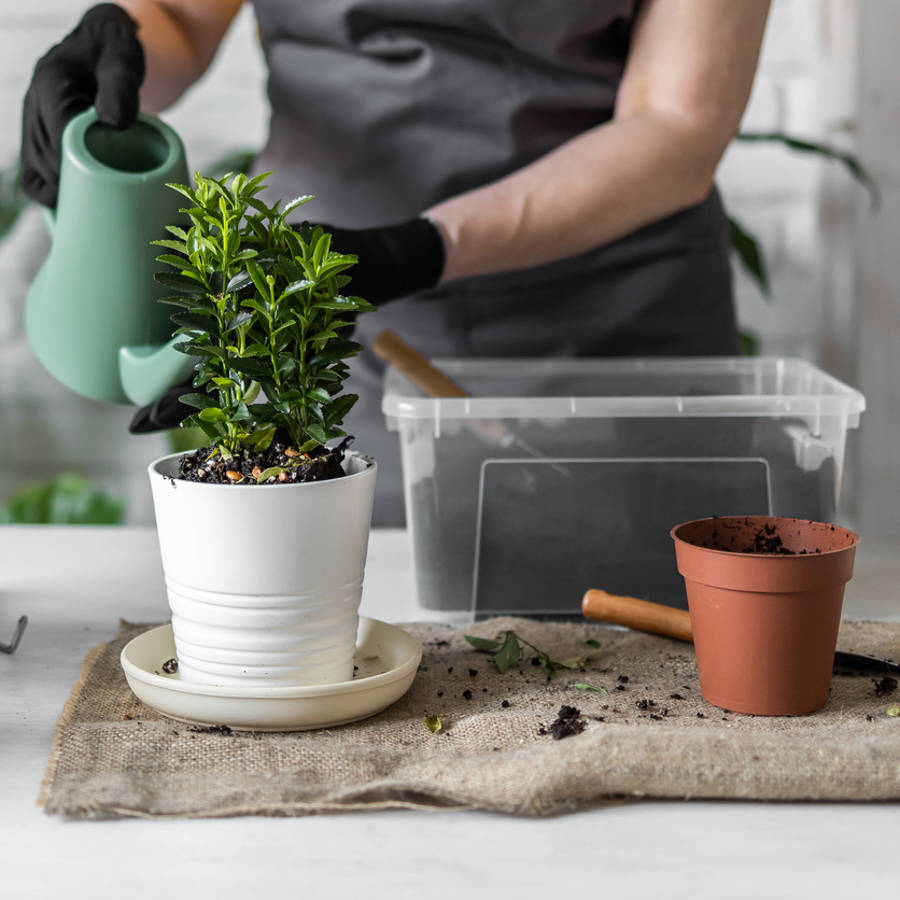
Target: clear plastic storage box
560	475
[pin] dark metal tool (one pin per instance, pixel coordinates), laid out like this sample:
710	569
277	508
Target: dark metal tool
643	615
17	636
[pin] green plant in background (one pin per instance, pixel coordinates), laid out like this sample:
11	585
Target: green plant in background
261	309
68	499
745	246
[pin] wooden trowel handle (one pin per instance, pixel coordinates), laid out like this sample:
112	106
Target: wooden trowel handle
392	349
638	614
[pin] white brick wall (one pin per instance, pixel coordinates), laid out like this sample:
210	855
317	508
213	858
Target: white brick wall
801	210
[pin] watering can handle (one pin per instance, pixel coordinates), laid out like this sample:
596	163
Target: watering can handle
641	615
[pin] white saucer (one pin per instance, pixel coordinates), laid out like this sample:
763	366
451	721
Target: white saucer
386	656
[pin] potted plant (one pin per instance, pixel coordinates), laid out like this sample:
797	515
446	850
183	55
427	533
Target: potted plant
765	595
263	533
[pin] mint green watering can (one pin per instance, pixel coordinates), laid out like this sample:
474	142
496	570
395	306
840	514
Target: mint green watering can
92	315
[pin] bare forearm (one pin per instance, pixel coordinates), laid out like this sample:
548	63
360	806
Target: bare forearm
180	39
590	191
686	82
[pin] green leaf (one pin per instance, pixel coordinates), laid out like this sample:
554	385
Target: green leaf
318	432
198	401
893	711
180	283
182	263
509	654
848	160
178	301
339	407
295	287
177	246
323	245
269	473
211	414
194	320
342	304
575	662
485	645
594	688
259	278
236	321
252	392
749	256
261	439
434	723
252	367
238	282
297	201
319	395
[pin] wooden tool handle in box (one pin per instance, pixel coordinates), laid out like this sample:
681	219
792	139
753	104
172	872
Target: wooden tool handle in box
638	614
434	383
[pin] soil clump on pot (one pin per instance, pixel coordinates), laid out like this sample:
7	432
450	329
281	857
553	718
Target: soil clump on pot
287	465
764	539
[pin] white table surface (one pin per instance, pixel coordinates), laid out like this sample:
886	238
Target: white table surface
74	583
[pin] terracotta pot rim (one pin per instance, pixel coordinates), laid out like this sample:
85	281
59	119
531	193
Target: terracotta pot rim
782	519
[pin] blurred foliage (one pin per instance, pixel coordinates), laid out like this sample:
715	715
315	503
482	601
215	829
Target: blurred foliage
748	343
816	148
69	499
746	247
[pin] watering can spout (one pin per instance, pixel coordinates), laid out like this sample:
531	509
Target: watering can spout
147	371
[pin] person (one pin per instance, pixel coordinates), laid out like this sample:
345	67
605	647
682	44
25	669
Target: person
517	179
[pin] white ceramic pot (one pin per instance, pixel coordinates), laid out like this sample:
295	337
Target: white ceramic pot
264	581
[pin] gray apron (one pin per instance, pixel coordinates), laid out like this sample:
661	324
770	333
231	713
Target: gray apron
382	108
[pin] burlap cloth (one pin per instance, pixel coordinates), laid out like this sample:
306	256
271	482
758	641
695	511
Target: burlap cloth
113	756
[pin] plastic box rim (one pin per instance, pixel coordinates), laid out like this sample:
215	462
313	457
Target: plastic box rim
834	397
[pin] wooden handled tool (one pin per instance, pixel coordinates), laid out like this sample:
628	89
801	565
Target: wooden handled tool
415	367
676	623
639	614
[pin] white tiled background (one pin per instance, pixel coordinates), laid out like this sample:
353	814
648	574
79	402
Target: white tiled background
802	209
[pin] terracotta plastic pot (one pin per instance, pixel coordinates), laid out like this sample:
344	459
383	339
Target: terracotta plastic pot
765	595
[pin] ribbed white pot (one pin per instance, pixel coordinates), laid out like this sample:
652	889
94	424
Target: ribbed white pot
264	581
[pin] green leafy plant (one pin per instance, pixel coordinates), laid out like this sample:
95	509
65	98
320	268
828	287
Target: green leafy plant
261	308
506	651
746	247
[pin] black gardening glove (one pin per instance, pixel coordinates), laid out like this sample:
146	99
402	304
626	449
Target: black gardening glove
100	62
394	261
167	412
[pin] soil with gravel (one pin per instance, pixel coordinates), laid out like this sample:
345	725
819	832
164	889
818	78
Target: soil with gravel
288	464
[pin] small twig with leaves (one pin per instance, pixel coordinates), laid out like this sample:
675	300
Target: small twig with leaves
507	651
